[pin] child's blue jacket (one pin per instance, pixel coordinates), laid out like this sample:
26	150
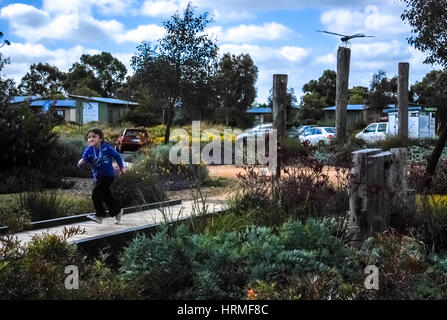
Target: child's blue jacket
101	160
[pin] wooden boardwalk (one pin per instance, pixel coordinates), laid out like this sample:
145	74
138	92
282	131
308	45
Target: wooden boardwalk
130	221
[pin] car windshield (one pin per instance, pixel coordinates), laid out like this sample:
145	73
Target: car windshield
330	130
134	133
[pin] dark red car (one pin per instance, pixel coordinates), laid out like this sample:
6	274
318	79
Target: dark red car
131	140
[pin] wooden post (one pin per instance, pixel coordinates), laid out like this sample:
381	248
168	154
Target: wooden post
377	182
402	99
377	205
279	109
341	100
358	192
397	180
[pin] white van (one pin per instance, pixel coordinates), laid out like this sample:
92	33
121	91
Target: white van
374	132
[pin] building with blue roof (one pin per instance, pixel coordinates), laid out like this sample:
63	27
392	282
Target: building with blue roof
81	109
355	114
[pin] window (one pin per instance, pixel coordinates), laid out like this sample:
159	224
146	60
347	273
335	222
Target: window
382	127
317	131
371	128
61	113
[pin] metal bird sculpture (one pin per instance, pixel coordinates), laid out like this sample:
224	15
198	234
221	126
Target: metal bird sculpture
5	41
345	38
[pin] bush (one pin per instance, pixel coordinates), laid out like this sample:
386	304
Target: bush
221	265
37	271
64	157
135	188
173	176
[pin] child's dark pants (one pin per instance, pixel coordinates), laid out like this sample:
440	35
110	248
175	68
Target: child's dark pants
101	194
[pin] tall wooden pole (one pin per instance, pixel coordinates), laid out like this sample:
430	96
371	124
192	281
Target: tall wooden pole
279	109
341	99
402	99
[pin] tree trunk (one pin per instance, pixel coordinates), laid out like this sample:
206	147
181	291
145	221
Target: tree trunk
169	122
432	161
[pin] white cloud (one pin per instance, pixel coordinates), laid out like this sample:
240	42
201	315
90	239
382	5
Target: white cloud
228	16
162	8
327	59
25	15
250	33
66	25
371	20
293	54
23	55
105	7
150	32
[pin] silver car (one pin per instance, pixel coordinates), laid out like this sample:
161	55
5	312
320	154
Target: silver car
316	134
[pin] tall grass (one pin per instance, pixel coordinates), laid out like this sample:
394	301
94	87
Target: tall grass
45	205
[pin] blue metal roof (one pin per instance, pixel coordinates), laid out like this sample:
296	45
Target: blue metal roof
411	108
19	99
105	100
260	110
350	107
57	103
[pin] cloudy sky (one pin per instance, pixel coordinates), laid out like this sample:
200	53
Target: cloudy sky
279	35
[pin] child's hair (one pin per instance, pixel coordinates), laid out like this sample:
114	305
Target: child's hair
97	131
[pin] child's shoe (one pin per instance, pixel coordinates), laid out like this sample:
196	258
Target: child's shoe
95	218
117	219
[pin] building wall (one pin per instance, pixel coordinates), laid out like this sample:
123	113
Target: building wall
352	117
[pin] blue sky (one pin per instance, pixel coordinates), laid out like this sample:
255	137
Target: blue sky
279	35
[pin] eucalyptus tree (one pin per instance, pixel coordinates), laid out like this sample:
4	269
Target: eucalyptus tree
428	19
179	66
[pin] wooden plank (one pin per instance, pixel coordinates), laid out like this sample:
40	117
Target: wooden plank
129	221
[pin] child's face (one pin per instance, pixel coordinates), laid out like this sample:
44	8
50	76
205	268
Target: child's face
94	140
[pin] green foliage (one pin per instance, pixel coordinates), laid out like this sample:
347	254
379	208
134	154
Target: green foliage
134	188
65	155
174	175
37	271
178	71
43	80
431	219
429	24
222	264
95	75
325	87
235	82
383	91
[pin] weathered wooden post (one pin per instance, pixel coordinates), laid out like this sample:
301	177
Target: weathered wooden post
341	99
377	183
358	195
402	99
279	110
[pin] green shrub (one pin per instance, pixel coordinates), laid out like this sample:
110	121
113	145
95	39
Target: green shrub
221	265
64	157
42	205
37	271
173	176
135	188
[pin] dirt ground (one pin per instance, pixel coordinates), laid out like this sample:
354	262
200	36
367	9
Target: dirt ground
84	186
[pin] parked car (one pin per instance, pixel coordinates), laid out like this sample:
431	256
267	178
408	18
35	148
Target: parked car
256	131
316	134
374	132
295	132
131	140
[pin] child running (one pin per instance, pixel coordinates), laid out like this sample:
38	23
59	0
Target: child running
99	155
